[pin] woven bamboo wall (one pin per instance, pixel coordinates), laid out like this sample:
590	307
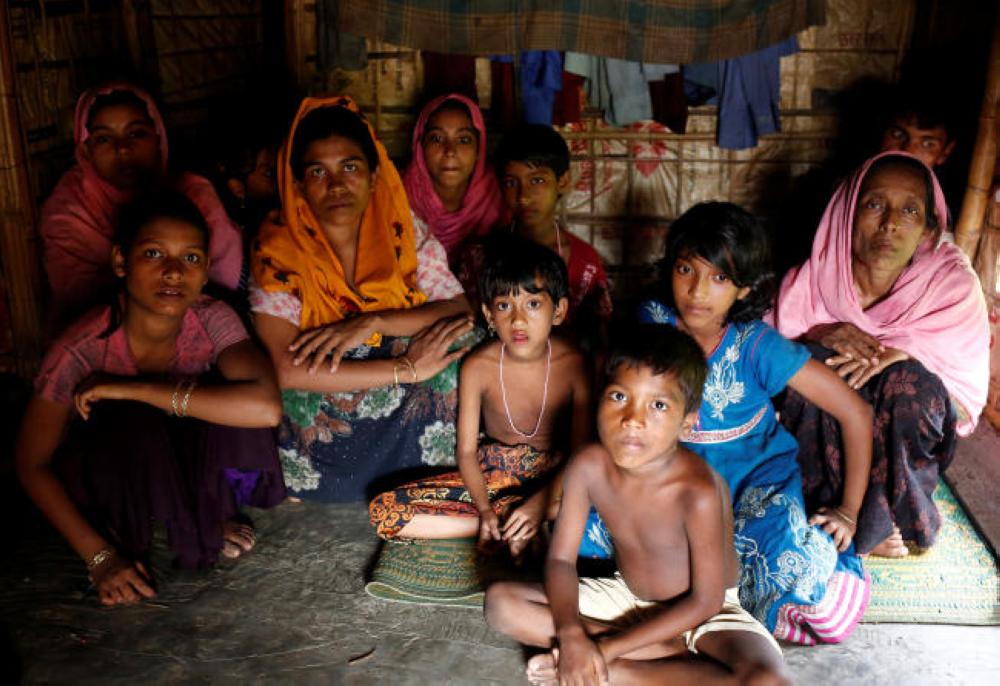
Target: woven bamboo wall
628	184
190	53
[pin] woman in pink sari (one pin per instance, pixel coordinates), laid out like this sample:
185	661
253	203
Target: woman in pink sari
121	152
900	314
450	186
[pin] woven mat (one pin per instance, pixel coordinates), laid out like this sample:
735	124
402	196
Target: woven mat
955	582
439	572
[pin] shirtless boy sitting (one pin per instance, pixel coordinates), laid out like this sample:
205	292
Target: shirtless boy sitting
528	388
670	518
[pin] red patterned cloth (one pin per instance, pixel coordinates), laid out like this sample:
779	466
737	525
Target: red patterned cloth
512	472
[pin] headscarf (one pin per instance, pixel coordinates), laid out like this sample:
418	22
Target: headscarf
78	218
482	203
292	254
935	311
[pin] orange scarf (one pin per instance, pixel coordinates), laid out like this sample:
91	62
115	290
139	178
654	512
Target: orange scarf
292	254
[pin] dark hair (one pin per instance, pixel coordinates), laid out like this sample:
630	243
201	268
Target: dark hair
133	218
665	350
331	121
536	145
929	112
735	242
916	166
114	99
514	263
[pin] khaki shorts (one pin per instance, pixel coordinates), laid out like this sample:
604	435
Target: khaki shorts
611	602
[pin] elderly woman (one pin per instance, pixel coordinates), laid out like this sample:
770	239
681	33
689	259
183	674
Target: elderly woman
341	283
899	313
121	152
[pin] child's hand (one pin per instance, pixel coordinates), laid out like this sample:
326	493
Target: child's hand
98	388
489	528
580	661
121	582
857	375
839	525
522	524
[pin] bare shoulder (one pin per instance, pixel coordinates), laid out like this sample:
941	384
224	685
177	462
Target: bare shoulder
566	356
700	481
484	355
591	460
563	350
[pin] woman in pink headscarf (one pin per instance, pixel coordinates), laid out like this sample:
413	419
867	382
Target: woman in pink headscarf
450	186
899	313
121	152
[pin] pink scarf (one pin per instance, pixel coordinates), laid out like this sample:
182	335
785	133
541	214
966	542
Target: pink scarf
78	218
482	202
935	311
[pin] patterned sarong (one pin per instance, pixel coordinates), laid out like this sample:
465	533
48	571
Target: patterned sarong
512	473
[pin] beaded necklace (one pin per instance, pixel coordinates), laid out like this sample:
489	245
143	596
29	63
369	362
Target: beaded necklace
545	392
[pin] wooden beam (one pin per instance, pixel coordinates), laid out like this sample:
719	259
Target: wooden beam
984	157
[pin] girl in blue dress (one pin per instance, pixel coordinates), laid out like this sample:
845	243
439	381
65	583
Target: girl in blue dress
800	577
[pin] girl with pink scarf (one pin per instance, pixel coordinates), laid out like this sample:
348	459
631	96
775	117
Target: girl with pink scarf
116	160
899	313
448	183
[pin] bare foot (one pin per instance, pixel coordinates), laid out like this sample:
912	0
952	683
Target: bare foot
237	538
541	670
893	546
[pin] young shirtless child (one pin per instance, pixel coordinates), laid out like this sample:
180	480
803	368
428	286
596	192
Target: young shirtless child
670	518
527	388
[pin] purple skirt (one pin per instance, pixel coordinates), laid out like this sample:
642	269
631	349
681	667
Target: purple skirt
131	467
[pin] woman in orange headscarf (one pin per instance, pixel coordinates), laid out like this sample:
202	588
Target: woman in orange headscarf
341	283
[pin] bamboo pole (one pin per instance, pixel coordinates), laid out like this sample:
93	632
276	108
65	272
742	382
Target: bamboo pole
17	220
977	191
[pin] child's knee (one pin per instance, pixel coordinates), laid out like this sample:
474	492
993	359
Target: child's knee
498	606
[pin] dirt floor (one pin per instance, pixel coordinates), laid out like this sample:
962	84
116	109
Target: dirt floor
295	611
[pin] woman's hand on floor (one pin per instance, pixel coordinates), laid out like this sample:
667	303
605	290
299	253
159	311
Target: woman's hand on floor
841	530
122	582
428	351
333	340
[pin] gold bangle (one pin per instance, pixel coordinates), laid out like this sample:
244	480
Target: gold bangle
395	373
187	397
173	399
840	513
413	367
100	557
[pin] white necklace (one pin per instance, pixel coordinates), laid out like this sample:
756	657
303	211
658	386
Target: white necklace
545	392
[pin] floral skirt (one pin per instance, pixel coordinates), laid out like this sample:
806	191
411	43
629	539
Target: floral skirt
348	446
915	441
512	473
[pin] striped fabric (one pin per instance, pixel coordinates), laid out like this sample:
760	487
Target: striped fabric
677	31
830	621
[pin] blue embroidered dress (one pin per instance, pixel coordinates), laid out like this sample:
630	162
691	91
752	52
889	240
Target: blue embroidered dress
792	578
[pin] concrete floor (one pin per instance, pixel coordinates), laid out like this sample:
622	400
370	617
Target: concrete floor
294	611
